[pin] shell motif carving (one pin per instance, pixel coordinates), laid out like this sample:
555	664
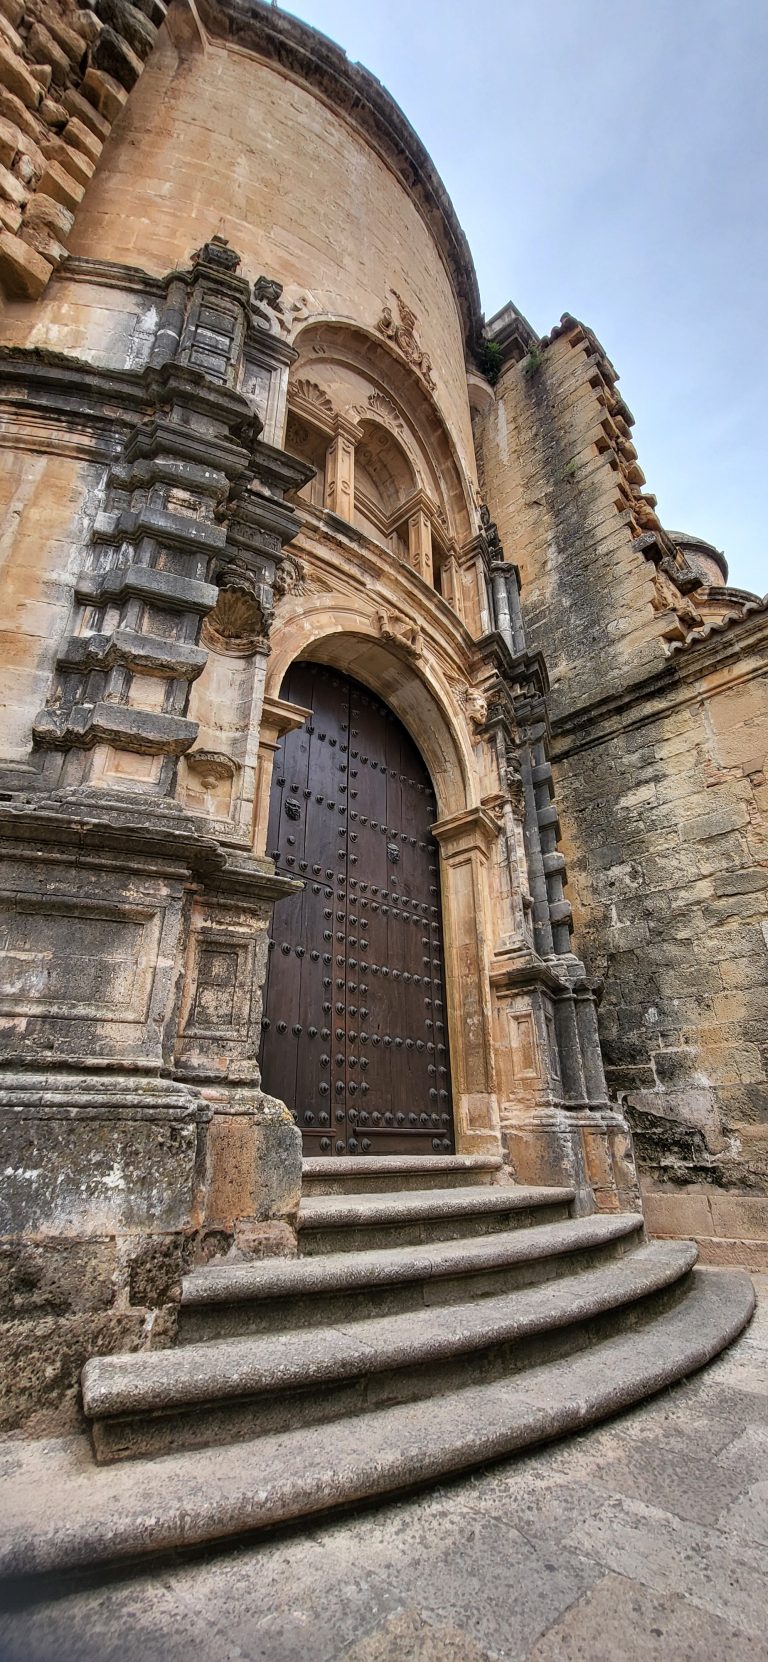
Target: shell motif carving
235	626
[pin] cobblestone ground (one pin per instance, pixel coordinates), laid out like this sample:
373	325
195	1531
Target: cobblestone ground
645	1539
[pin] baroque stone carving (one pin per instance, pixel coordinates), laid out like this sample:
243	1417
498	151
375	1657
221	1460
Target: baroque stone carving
386	411
402	335
211	766
218	254
240	621
268	291
473	705
290	577
400	631
308	392
491	534
512	780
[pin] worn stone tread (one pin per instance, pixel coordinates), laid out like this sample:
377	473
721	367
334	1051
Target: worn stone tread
348	1211
159	1380
59	1512
387	1165
271	1278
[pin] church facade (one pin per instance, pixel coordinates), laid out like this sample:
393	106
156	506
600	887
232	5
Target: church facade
379	777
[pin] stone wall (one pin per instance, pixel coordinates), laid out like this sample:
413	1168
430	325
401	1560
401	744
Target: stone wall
660	730
65	75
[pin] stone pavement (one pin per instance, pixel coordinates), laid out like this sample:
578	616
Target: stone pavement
643	1540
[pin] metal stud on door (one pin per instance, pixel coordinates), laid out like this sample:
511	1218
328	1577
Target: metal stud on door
354	1035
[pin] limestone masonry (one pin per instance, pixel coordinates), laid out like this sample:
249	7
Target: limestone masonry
378	774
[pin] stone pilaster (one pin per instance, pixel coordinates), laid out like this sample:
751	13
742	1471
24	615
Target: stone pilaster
340	469
135	934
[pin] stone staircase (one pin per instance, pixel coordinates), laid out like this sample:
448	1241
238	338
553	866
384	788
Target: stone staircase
435	1318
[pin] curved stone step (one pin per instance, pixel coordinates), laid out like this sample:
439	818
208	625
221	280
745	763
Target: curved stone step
228	1299
349	1173
61	1513
148	1402
354	1222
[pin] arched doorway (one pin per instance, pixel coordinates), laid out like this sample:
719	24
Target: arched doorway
355	1036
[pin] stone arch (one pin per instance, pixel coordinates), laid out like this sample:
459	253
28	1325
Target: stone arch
386	477
365	378
341	634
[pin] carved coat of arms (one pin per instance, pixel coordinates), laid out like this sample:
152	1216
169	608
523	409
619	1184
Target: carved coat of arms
402	335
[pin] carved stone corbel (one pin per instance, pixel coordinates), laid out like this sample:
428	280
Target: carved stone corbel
400	631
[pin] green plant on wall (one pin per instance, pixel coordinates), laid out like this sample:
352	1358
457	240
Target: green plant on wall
490	360
532	364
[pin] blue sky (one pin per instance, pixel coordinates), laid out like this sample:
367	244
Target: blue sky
609	158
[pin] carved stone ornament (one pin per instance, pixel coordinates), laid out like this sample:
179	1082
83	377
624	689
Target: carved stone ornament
491	534
309	393
235	626
473	704
266	289
267	312
288	309
381	406
402	335
512	780
211	766
290	577
217	253
240	621
476	707
400	631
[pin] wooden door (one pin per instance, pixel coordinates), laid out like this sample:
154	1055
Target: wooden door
354	1030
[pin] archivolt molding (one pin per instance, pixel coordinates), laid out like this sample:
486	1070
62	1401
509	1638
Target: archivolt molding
398	399
364	572
336	630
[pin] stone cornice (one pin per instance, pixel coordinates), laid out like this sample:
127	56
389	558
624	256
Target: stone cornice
725	660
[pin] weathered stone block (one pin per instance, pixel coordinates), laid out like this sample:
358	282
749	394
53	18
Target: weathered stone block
74	162
80	137
42	48
253	1166
114	57
59	184
105	93
10	217
80	109
156	1265
41	1361
10	141
23	272
43	74
13	10
129	22
56	1276
45	213
12	189
12	109
92	1173
70	39
45	243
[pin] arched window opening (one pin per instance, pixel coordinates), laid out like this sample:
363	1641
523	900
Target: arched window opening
384	481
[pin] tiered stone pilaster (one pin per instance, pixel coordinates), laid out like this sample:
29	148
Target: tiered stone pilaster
133	957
